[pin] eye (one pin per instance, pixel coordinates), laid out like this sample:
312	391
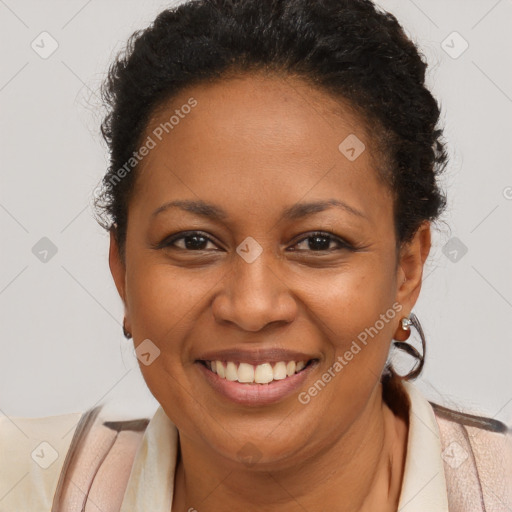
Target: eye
192	241
321	242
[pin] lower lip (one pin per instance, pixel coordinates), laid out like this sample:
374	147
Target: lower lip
257	394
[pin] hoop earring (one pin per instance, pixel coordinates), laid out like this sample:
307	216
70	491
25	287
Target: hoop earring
127	334
405	332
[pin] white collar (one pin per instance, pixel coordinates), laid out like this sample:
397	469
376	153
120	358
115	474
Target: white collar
423	486
424	483
153	468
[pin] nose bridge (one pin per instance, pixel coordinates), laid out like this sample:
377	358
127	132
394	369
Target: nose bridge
254	294
253	269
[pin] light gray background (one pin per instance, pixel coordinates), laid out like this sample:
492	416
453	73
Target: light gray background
61	345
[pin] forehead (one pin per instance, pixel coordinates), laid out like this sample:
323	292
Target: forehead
263	142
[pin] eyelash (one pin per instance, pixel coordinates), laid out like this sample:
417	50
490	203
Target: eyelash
169	241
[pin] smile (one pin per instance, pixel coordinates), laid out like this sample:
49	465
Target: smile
255	385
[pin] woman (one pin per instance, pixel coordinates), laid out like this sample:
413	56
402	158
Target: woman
271	189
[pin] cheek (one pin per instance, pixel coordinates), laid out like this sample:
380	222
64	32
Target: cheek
359	314
162	303
163	299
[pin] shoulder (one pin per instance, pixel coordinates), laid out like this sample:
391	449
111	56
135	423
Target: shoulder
32	454
101	452
474	452
488	439
477	455
38	455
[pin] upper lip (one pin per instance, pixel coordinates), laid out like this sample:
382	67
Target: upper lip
255	356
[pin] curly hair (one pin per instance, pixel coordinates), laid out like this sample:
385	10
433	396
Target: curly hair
349	49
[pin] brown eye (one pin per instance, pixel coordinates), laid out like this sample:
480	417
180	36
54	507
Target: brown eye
321	242
192	241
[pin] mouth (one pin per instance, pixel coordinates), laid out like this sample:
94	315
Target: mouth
256	384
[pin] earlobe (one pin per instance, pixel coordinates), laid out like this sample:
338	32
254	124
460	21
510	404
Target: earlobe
117	266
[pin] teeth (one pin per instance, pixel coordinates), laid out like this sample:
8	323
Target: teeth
219	367
231	371
263	373
280	371
245	372
260	374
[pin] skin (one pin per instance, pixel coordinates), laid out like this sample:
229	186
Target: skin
254	146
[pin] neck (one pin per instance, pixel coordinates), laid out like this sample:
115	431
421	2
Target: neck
360	471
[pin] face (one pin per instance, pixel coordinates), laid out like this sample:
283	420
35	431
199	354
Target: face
258	277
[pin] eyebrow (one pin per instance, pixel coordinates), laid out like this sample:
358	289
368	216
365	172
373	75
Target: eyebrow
294	212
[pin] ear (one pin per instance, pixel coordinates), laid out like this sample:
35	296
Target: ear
117	266
411	260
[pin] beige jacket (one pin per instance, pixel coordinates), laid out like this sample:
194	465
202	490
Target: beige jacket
81	462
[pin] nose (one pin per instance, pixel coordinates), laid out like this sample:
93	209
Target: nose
254	295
